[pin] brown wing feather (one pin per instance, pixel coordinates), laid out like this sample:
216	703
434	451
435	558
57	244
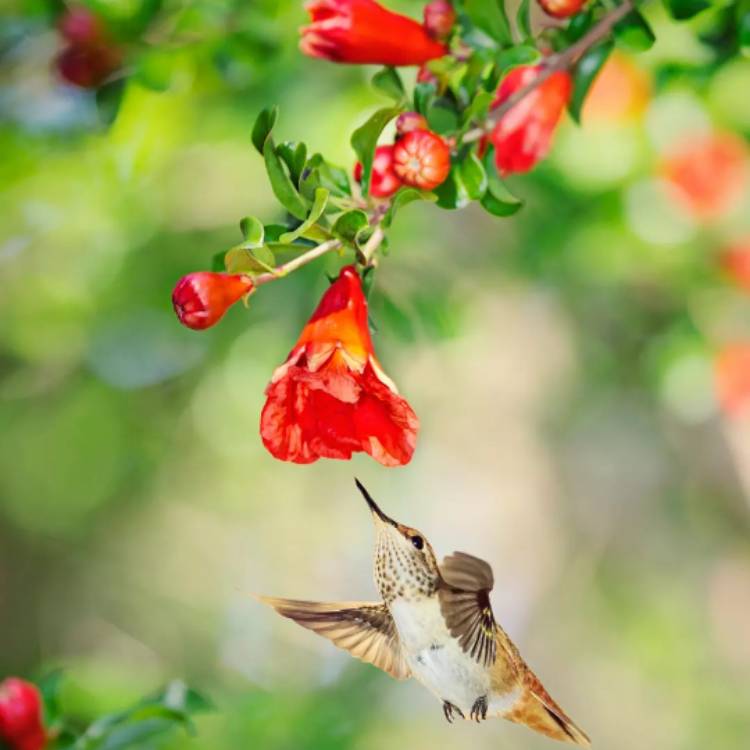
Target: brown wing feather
465	604
364	629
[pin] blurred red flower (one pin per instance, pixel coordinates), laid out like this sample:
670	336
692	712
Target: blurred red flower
561	8
200	299
439	18
384	182
707	173
21	726
90	56
735	261
331	398
733	378
523	135
619	92
422	159
362	31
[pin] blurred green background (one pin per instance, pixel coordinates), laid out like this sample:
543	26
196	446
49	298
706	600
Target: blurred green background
561	363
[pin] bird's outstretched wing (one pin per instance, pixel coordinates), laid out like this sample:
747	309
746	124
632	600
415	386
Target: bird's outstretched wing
365	629
465	604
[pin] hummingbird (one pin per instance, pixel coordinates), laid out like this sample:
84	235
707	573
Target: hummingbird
435	624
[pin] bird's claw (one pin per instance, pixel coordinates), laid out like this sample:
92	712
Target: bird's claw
448	709
479	709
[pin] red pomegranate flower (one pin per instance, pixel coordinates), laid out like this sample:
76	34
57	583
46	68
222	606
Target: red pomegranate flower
707	173
422	159
21	726
523	135
384	182
201	299
331	398
561	8
362	31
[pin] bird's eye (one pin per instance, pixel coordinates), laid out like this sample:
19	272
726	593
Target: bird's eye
417	541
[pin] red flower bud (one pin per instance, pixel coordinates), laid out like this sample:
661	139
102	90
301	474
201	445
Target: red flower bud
201	299
707	173
439	18
331	397
422	159
409	121
362	31
383	181
90	56
561	8
523	135
425	75
21	726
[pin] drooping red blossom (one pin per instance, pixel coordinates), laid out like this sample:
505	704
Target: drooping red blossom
561	8
707	173
384	182
21	724
733	379
331	397
363	31
408	121
735	261
201	299
523	136
422	159
90	55
439	18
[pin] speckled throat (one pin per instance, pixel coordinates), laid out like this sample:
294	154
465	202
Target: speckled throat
399	573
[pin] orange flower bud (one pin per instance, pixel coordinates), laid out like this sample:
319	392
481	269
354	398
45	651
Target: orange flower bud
561	8
383	181
733	379
439	18
422	159
201	299
362	31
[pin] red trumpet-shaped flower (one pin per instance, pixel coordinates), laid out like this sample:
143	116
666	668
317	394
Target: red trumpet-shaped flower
331	398
384	182
523	135
201	299
21	726
422	159
562	8
362	31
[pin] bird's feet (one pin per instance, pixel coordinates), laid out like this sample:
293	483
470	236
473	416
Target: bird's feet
448	709
479	709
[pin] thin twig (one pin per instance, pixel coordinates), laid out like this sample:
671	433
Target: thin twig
553	64
298	262
371	246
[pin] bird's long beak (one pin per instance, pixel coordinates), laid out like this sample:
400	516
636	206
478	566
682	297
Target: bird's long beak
374	509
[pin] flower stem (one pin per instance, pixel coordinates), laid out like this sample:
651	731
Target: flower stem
298	262
553	64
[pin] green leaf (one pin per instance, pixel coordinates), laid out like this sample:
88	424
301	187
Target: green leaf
424	93
217	262
743	31
242	259
252	231
263	126
684	9
318	206
497	200
402	198
349	225
388	81
523	19
49	687
452	194
473	176
586	71
294	156
442	116
633	33
579	25
524	54
155	69
479	107
365	138
281	183
490	17
108	100
497	207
